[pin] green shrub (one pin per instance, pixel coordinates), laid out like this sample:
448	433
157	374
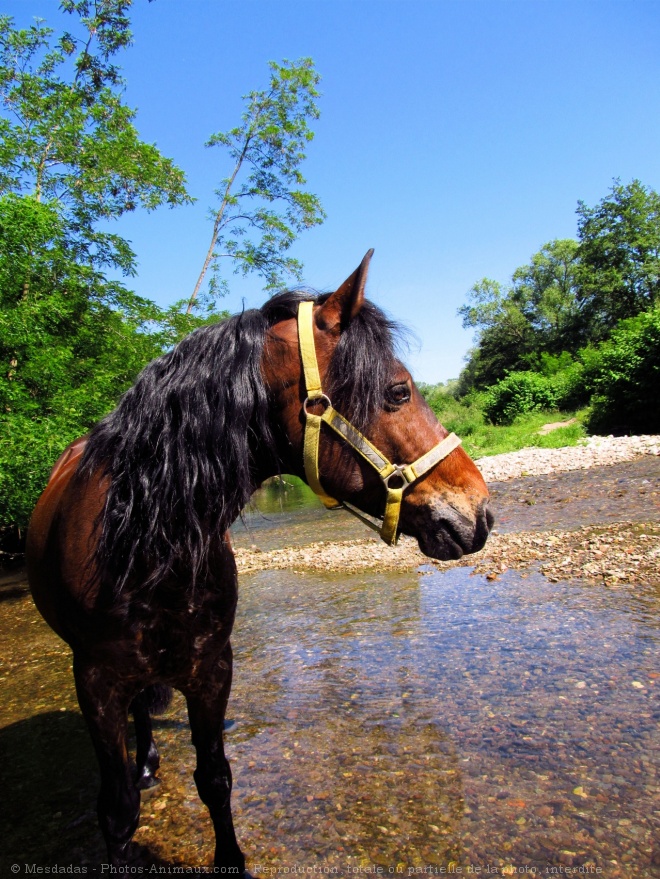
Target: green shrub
572	386
518	394
625	374
554	364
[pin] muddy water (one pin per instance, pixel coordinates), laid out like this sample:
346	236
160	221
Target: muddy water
421	722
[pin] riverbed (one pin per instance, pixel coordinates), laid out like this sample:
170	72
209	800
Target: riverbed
496	716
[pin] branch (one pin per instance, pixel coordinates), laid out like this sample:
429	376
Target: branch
217	225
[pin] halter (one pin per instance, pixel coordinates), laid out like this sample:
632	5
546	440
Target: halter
405	474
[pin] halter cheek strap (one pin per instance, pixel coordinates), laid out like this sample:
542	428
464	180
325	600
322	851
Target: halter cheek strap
404	474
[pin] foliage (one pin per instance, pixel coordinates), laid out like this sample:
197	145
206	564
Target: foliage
70	161
67	138
571	293
70	343
518	394
465	416
626	377
619	256
263	207
503	332
545	289
537	312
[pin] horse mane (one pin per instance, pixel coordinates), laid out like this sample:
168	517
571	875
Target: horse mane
179	451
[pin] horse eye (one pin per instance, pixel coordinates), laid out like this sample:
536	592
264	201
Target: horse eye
395	395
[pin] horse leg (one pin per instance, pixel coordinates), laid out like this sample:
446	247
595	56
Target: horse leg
206	712
147	759
152	700
104	704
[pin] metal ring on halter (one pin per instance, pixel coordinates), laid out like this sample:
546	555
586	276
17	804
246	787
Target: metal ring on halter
398	471
322	398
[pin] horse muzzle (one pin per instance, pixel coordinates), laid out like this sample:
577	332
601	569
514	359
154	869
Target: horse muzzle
448	534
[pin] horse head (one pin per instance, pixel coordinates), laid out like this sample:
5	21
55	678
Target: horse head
350	420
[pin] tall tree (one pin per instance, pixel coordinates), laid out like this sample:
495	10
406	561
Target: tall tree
515	323
503	332
263	207
546	292
66	136
70	161
619	255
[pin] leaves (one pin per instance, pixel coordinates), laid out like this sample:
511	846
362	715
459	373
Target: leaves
68	138
71	159
262	206
619	255
567	300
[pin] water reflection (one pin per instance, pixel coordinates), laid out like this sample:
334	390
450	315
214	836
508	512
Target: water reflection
287	509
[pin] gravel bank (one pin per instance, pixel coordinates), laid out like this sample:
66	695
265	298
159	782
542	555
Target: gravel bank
615	553
621	553
595	451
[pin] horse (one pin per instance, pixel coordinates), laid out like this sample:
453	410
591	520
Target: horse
128	551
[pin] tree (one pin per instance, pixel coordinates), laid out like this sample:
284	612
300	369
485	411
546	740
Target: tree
262	205
67	138
70	161
504	333
545	290
537	312
619	256
626	376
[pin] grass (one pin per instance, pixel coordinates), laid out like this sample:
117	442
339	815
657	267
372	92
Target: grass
481	438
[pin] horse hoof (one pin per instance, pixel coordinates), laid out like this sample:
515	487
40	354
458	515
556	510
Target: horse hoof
118	855
147	784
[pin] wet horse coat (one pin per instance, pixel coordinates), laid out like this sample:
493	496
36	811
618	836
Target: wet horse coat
129	557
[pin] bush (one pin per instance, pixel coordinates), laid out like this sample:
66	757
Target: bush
572	386
625	372
518	394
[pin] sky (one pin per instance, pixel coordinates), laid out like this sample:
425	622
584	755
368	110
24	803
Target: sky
455	138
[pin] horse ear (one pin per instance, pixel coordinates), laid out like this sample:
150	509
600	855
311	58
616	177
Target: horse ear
339	309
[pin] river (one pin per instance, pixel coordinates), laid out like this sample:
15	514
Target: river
408	723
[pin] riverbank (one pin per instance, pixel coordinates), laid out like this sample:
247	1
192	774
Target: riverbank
595	451
612	535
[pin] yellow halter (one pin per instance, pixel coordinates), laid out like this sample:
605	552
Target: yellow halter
406	473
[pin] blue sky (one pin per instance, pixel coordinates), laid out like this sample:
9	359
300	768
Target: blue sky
455	137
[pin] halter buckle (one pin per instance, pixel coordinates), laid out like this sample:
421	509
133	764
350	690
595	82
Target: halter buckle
399	470
321	398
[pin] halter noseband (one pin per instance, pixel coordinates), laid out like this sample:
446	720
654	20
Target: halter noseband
406	474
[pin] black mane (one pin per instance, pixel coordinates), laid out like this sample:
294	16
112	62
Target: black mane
180	449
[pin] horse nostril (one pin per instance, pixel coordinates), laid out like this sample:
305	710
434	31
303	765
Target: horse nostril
485	520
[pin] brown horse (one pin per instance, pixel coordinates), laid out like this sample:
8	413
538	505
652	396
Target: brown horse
129	557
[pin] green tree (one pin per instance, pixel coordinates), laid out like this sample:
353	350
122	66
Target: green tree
70	343
545	290
619	256
71	160
516	323
625	376
504	333
263	206
66	136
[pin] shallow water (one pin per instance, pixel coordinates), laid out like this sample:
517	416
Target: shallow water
408	721
290	514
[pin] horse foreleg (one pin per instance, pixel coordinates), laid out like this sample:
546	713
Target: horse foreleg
206	712
104	704
147	759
